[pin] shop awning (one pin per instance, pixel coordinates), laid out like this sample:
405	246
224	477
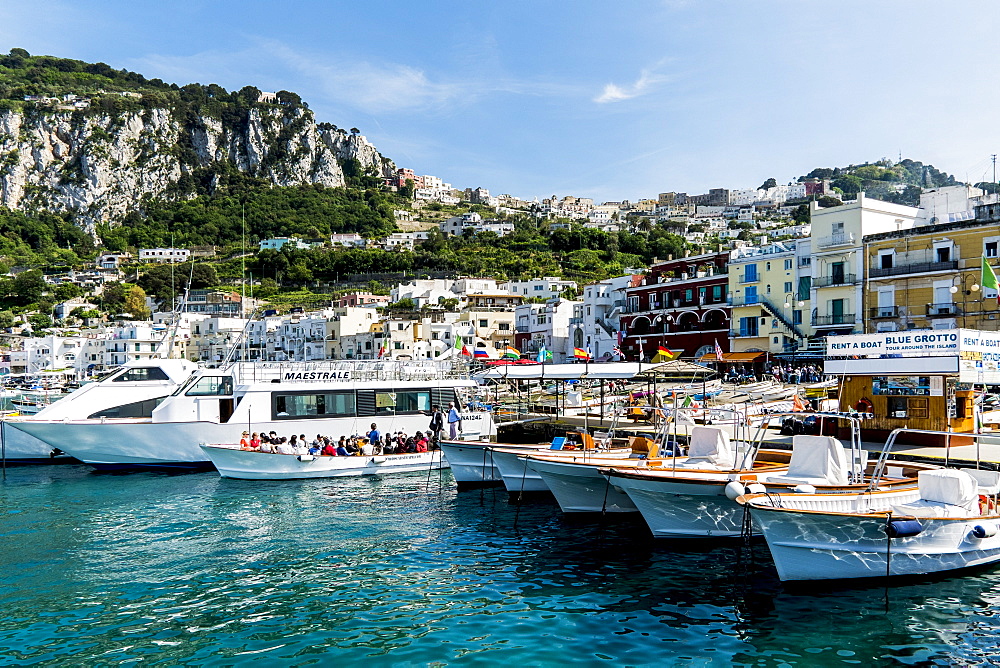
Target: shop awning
731	357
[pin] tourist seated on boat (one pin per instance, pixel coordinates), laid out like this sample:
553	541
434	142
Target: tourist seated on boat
294	442
314	449
284	447
367	448
245	441
342	451
329	450
318	442
272	437
420	442
255	441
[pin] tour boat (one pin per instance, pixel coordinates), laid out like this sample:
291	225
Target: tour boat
333	397
232	462
948	521
131	391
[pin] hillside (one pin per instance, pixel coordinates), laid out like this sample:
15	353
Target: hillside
898	182
100	144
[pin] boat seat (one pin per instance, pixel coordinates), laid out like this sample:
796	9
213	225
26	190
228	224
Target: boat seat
943	493
816	460
989	481
708	448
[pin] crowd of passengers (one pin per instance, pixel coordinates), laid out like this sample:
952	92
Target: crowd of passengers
371	443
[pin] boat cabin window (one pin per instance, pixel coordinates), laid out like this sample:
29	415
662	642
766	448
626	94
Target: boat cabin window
141	373
413	401
138	409
312	404
208	386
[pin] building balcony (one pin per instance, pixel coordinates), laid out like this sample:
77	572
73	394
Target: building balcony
834	240
753	300
754	278
830	281
737	334
945	309
912	268
876	312
576	321
828	320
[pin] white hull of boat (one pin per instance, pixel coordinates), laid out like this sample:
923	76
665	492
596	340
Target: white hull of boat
581	489
519	477
810	545
684	509
472	461
128	442
249	465
21	447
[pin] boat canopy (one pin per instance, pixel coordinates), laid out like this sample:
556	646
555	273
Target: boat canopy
593	370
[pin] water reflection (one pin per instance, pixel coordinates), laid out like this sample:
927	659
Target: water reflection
196	569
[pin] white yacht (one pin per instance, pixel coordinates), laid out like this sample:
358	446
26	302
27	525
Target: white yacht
131	391
331	397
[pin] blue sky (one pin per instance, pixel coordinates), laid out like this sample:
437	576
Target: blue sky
596	99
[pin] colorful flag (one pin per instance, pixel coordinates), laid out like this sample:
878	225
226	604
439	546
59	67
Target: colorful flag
543	355
381	350
618	351
458	342
580	353
688	400
621	336
989	279
663	350
512	352
718	351
480	352
465	351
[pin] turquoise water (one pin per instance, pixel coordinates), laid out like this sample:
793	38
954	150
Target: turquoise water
100	569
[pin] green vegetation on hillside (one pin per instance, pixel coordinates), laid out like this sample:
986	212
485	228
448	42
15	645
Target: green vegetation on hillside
898	182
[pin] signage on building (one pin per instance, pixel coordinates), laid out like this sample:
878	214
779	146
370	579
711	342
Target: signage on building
978	352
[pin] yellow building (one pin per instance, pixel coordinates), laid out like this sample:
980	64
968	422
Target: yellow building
769	293
929	277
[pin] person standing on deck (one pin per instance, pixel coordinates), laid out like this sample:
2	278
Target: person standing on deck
454	421
437	424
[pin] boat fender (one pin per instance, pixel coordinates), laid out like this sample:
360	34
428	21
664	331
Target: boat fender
735	489
305	458
903	528
804	489
378	460
984	530
756	488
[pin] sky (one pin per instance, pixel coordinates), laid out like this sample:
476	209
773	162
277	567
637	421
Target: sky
610	100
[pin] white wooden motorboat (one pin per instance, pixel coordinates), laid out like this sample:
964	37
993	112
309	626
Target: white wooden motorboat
518	477
233	462
948	521
472	463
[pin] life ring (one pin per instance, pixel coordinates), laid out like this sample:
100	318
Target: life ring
864	405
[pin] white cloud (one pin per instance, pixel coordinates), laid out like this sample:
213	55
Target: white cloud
648	79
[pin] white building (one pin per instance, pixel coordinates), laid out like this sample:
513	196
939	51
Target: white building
595	322
547	325
546	288
164	255
277	243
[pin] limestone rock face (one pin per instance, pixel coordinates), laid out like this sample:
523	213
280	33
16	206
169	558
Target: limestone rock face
101	167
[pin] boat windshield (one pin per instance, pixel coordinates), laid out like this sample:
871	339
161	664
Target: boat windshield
211	386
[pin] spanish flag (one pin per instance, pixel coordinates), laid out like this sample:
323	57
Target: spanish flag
580	353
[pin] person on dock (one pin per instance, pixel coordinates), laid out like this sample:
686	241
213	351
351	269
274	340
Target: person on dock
437	424
454	421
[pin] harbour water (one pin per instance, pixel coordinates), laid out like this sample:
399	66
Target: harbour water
194	569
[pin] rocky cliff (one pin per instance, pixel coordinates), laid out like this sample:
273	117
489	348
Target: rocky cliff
102	166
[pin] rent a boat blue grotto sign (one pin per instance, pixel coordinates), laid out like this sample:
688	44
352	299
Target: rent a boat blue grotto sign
918	378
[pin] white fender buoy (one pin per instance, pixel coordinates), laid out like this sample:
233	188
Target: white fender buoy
804	489
756	488
735	489
984	530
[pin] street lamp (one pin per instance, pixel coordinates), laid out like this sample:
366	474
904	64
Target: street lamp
966	291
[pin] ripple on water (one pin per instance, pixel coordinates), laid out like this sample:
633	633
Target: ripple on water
199	570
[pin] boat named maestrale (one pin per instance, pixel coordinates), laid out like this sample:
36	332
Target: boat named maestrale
333	398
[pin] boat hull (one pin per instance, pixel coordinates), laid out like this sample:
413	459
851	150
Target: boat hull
581	488
519	477
836	545
232	462
684	508
473	462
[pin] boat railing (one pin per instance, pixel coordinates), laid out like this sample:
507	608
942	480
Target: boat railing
856	473
355	370
883	458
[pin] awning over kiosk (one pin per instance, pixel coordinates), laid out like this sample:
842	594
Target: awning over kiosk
593	370
736	358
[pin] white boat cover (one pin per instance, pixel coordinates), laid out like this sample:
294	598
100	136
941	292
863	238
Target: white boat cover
816	460
709	445
956	488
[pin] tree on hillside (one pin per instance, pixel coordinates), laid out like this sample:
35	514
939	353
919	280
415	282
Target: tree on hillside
770	183
135	303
